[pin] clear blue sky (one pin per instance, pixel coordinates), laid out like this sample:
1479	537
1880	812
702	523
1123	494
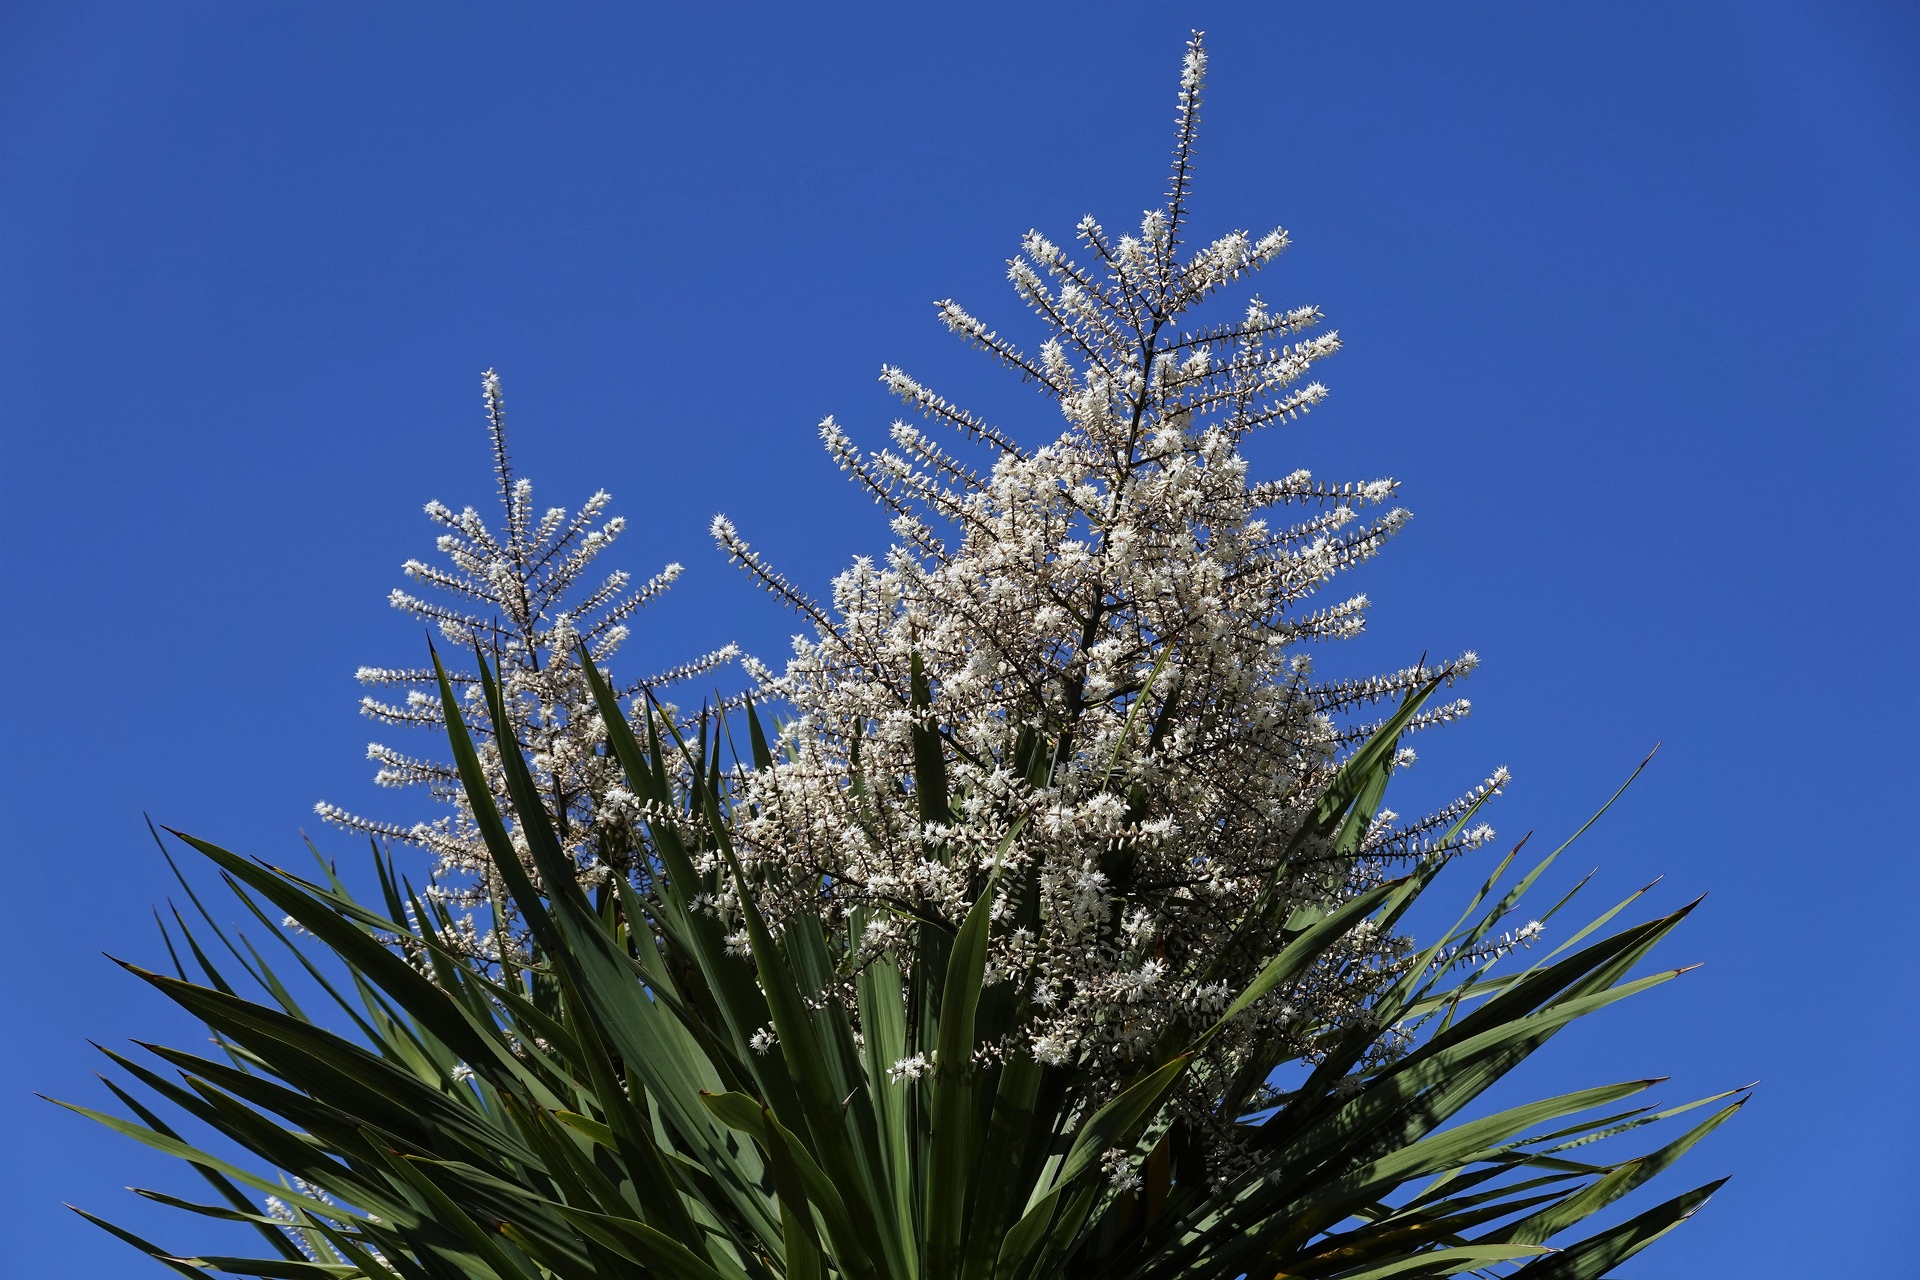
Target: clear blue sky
1630	298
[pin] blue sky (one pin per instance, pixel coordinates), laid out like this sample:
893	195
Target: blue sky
1628	296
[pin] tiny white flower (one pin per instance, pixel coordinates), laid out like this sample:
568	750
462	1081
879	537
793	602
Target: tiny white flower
1120	1171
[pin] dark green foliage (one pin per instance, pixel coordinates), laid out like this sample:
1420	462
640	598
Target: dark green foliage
615	1111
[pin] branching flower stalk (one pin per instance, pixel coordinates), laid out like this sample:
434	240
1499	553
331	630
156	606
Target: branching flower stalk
1107	641
524	595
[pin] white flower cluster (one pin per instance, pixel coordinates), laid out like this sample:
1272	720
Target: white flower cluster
1111	632
515	594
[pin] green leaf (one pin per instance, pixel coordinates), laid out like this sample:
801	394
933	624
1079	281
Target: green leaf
1618	1182
955	1082
1012	1133
641	1244
1595	1256
1447	1262
192	1267
819	1187
504	1264
883	1018
1451	1147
